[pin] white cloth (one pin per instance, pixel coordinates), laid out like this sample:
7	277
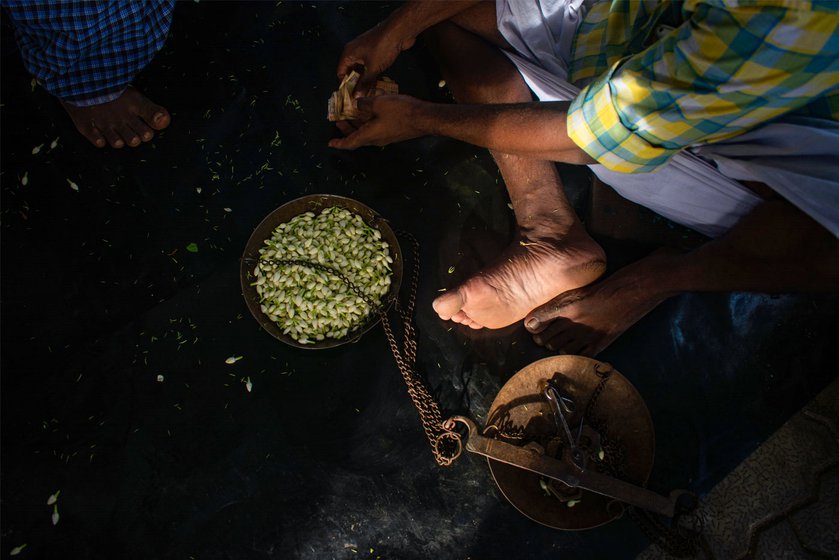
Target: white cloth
798	159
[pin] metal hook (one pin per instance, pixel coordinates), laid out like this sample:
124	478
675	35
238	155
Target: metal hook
560	402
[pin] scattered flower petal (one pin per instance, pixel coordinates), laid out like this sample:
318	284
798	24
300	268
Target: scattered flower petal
25	179
441	83
451	269
54	143
228	209
232	359
37	149
18	549
248	384
53	498
73	185
160	378
55	516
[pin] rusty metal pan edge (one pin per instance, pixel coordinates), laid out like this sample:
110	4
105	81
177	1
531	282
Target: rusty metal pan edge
282	214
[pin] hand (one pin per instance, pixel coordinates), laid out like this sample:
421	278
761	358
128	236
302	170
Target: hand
384	120
375	50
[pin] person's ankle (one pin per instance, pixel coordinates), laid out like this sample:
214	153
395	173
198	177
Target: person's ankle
550	228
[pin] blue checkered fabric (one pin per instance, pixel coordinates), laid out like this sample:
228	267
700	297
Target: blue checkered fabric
87	52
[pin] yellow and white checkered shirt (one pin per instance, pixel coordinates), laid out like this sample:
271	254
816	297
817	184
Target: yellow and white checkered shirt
670	74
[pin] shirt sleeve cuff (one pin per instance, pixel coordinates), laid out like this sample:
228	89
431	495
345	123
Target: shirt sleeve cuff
96	99
595	125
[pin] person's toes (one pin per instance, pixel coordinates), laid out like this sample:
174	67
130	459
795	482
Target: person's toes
93	136
540	318
114	138
561	342
89	131
155	116
550	331
130	137
464	319
448	304
161	119
461	317
142	129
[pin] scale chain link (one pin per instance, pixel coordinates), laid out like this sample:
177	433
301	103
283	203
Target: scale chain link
406	358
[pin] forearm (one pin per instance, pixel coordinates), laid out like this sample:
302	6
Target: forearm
416	16
533	130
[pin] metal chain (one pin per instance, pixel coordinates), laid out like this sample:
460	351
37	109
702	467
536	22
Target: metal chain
445	444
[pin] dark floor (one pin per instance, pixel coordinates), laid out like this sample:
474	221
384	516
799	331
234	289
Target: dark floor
325	457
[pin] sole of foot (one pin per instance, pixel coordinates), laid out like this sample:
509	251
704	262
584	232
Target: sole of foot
531	272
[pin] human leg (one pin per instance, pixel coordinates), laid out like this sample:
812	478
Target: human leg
552	252
87	56
774	248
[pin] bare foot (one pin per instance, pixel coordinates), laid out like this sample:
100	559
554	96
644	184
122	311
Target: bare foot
587	320
529	273
128	120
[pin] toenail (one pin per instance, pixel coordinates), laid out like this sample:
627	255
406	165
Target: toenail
157	117
533	323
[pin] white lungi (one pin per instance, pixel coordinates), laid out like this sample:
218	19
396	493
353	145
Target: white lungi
797	157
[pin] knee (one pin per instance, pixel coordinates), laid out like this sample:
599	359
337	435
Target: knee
441	37
476	71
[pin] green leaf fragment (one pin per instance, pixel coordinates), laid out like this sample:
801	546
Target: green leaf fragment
192	247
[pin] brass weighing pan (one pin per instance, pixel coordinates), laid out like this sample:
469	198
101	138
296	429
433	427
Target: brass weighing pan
314	203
